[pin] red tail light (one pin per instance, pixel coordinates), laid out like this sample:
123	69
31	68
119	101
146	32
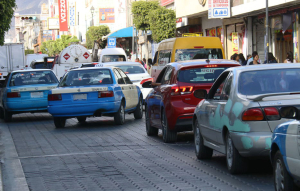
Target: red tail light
271	113
146	80
54	97
254	114
13	94
181	90
106	94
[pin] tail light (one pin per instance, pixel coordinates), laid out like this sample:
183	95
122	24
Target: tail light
181	90
13	94
254	114
106	94
271	113
54	97
146	80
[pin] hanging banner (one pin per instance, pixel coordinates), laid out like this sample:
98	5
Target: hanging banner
218	9
63	16
106	15
235	42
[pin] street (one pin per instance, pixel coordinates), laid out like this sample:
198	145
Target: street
99	155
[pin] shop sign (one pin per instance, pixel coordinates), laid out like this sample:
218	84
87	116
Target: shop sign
63	15
53	23
107	15
72	15
218	9
235	42
192	34
166	2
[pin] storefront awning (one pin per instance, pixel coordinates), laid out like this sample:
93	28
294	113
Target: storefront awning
122	33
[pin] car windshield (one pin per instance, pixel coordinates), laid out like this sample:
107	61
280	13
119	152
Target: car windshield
269	81
87	65
191	54
113	58
31	78
86	78
200	75
132	69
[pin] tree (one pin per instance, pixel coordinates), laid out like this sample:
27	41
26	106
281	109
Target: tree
96	33
52	47
6	14
162	23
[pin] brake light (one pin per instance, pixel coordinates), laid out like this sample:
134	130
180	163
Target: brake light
271	113
13	94
146	80
211	66
54	97
181	90
105	94
254	114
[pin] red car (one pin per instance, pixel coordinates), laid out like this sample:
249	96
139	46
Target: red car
170	105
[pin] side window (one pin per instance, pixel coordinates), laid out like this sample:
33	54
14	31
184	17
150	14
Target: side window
120	80
164	57
161	75
155	58
227	88
216	89
167	77
125	77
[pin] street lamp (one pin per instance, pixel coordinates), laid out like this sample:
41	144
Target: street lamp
92	11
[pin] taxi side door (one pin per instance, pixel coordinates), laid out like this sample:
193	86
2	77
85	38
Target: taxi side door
124	88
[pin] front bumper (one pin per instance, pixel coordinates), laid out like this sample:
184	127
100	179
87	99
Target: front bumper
252	144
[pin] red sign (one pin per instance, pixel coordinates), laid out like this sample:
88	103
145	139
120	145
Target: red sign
86	55
63	15
66	56
166	2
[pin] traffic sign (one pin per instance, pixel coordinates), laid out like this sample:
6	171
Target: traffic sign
111	43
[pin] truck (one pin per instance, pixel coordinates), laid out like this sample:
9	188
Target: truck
33	57
12	57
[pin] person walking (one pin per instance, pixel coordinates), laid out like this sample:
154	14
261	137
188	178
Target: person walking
271	59
289	57
251	59
255	60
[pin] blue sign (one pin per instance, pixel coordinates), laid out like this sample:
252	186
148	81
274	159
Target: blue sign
220	12
111	42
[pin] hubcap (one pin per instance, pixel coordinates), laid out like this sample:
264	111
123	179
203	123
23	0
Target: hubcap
197	138
229	150
279	177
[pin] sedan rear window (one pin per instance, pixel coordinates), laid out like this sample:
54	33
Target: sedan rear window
200	75
132	69
31	78
86	78
269	81
113	58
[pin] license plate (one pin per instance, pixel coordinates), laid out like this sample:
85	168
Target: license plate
79	97
36	94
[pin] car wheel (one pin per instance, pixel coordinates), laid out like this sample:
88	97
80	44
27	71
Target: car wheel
168	135
81	119
282	179
151	131
2	113
7	116
138	113
59	122
120	115
202	151
235	162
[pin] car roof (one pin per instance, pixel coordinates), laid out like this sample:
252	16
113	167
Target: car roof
121	63
94	68
264	67
31	70
188	63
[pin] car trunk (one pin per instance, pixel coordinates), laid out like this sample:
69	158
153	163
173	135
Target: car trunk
189	98
137	78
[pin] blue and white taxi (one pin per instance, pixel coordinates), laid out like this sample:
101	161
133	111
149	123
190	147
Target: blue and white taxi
26	91
96	92
285	152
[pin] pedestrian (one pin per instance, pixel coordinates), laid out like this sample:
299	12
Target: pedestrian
271	59
236	57
137	60
255	60
248	57
145	63
251	59
289	57
242	58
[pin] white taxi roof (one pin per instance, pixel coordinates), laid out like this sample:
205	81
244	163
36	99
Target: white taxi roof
119	64
31	70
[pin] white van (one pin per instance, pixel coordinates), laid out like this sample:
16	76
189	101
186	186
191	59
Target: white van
112	55
31	57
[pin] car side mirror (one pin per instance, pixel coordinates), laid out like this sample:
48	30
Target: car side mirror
200	94
289	112
147	84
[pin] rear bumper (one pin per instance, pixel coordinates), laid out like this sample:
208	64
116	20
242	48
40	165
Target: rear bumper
184	123
26	105
87	109
252	144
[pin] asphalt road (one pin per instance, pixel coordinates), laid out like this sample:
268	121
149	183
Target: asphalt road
99	155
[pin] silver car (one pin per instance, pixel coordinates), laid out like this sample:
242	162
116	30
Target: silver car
241	110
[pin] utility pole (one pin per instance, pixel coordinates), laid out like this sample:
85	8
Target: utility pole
267	31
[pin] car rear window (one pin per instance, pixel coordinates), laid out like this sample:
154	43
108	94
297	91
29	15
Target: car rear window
191	54
269	81
86	78
87	65
31	78
132	69
200	75
113	58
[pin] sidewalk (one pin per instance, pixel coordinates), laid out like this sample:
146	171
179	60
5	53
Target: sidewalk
11	171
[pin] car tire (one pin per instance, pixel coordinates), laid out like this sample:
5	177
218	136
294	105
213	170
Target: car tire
2	113
120	115
81	119
235	162
138	113
59	122
151	131
169	136
7	116
202	151
282	179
